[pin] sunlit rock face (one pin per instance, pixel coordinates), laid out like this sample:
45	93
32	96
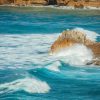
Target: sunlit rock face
31	2
74	3
70	37
24	2
96	50
79	3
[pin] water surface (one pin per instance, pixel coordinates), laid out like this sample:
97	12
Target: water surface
27	72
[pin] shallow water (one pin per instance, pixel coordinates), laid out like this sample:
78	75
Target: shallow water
27	72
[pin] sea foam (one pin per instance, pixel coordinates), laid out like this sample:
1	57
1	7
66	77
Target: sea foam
32	49
77	54
54	66
29	85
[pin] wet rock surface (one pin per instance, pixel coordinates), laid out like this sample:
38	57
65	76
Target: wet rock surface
70	37
74	3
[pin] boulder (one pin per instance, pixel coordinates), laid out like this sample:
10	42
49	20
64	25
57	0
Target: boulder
70	37
74	3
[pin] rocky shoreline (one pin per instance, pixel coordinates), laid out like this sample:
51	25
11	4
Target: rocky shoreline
57	3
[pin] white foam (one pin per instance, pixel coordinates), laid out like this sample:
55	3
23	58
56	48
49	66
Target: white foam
89	34
54	66
78	54
54	7
23	50
29	85
92	8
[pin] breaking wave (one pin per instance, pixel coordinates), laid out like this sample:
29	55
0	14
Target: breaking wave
29	85
30	50
78	54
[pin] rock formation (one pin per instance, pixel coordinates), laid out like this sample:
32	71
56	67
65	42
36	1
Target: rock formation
79	3
31	2
24	2
74	3
70	37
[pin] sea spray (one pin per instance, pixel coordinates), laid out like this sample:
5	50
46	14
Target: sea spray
30	85
77	54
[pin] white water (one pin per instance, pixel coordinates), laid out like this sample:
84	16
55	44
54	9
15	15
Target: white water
26	51
56	7
54	66
77	54
30	85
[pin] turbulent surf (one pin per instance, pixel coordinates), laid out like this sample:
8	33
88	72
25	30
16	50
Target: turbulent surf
29	72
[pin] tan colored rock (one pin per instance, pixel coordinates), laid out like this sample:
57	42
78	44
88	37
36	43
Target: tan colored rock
95	48
74	3
24	2
3	2
59	44
71	37
79	3
68	38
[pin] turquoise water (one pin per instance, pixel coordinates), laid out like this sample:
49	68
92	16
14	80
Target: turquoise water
27	72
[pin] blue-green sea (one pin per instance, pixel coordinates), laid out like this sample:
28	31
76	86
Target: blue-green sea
28	72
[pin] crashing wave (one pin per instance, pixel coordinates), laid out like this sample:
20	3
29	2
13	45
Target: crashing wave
29	85
54	66
79	45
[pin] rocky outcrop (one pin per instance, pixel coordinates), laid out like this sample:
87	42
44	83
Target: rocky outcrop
79	3
70	37
24	2
74	3
96	50
31	2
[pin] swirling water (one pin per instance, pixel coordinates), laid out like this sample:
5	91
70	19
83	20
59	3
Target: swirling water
27	71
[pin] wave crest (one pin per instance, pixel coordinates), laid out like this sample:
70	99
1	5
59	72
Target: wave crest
29	85
79	46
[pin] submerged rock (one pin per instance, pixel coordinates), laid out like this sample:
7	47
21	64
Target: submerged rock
70	37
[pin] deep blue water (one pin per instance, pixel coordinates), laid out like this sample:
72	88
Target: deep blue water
27	72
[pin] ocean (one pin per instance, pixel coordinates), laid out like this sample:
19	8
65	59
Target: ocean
28	72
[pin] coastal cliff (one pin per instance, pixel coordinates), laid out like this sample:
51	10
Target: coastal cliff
74	3
23	2
79	3
71	37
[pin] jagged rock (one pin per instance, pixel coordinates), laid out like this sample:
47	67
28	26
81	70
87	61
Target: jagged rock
70	37
79	3
79	6
95	48
74	3
31	2
24	2
94	61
